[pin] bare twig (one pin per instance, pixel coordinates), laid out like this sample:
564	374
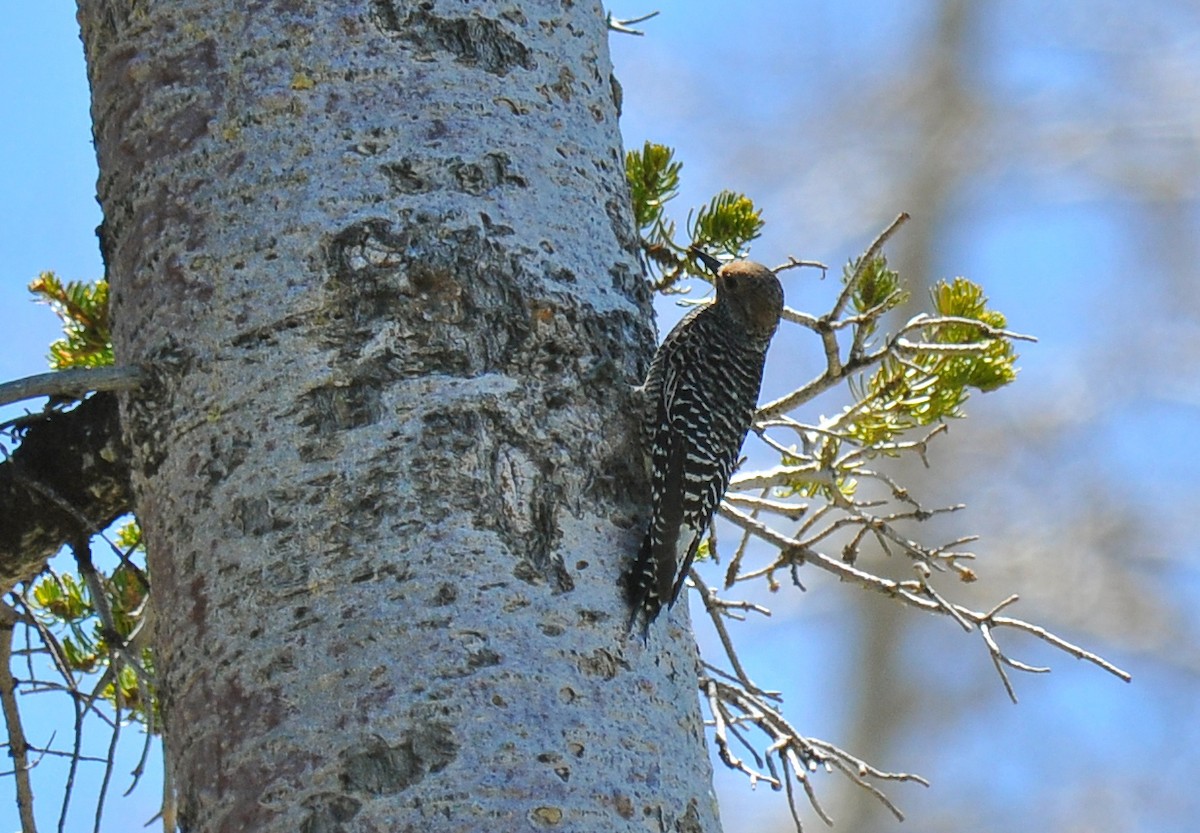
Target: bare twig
836	370
791	511
120	651
73	768
623	26
915	594
795	263
74	382
924	319
106	779
716	612
18	748
731	705
778	476
863	261
711	689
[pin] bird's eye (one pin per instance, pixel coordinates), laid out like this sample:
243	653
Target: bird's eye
732	283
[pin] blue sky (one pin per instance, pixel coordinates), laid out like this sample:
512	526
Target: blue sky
49	173
1066	252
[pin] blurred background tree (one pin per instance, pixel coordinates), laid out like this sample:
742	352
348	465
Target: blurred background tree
1048	151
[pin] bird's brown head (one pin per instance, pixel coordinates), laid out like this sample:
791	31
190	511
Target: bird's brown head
752	295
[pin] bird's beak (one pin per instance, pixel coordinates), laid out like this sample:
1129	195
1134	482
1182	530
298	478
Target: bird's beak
710	262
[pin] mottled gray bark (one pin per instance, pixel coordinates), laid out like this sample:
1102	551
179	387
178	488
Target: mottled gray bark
380	257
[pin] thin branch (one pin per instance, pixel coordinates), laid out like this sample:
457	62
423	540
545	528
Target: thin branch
1056	641
50	644
826	326
804	319
73	768
860	266
924	319
735	563
711	689
74	382
58	753
795	263
110	758
776	476
147	697
920	446
623	26
835	372
915	594
716	614
17	745
798	754
791	511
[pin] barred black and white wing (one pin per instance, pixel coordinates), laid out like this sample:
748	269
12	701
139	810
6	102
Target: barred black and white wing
700	394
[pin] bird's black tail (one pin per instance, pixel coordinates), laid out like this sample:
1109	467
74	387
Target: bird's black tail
644	586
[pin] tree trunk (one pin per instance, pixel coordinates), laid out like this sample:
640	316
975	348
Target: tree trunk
379	258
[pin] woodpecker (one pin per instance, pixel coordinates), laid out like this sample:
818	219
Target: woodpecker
699	398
